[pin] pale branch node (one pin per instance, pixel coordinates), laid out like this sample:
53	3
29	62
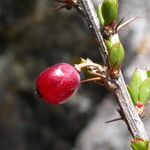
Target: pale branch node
131	118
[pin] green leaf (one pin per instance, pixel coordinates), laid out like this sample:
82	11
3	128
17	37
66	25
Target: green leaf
139	144
109	10
115	51
148	73
109	45
132	95
116	55
144	91
114	39
135	82
99	14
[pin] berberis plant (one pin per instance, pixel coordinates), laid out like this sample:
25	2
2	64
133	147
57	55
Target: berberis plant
58	83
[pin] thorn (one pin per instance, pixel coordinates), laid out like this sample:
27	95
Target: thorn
126	23
60	1
90	80
113	120
120	22
58	8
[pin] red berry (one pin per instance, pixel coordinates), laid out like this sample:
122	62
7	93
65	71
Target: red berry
58	83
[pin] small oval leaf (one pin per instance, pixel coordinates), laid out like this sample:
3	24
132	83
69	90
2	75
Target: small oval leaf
116	55
109	11
135	82
144	91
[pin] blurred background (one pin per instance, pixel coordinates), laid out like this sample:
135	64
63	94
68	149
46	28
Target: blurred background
33	37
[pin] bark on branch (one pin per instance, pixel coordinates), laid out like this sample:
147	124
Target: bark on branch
131	118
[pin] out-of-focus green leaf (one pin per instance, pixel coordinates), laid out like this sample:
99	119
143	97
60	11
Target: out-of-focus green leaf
144	91
148	73
139	144
135	82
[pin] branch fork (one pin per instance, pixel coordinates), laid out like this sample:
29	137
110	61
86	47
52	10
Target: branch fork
100	74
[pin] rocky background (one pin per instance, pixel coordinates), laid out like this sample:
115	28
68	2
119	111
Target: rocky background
32	37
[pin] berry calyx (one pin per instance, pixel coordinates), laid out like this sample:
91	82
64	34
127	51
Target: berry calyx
58	83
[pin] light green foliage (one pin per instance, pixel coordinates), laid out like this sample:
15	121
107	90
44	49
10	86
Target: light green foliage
135	82
139	87
144	91
148	73
99	14
109	45
116	55
115	51
109	11
139	144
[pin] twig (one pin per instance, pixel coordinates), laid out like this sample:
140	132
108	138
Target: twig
94	25
132	120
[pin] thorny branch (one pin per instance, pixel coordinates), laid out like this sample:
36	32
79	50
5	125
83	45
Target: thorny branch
127	109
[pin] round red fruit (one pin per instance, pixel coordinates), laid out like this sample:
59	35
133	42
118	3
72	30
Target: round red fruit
58	83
